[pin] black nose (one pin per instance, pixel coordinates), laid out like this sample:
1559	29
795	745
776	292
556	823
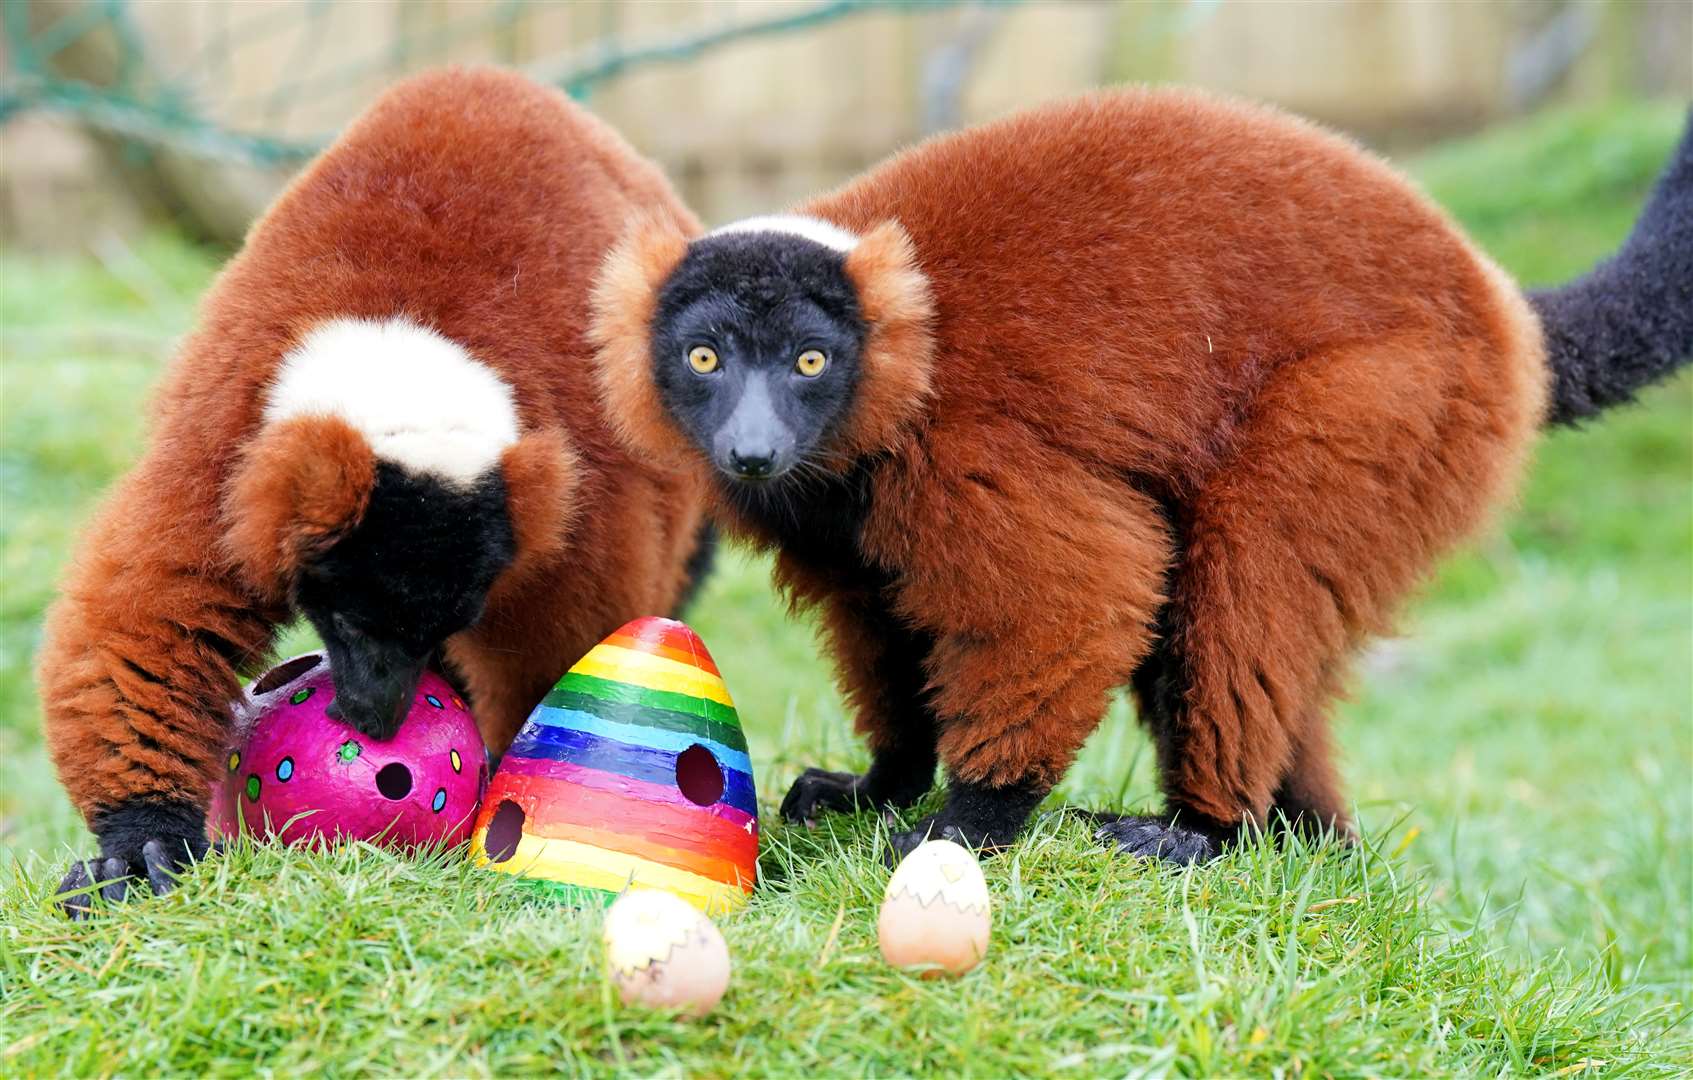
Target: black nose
752	463
379	717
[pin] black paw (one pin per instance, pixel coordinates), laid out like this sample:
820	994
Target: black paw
980	842
1158	838
817	790
113	878
981	818
145	840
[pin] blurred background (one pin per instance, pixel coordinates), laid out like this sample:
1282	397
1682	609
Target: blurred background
1533	723
120	111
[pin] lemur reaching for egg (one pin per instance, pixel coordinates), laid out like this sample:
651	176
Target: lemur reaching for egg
1146	387
385	422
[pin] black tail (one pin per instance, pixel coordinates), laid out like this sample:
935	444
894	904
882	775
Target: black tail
1628	322
698	568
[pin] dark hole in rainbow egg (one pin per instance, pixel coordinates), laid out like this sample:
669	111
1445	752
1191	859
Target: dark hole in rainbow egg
504	831
698	775
393	780
283	674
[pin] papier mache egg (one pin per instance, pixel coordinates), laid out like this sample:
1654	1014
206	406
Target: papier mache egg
633	770
664	953
936	912
296	773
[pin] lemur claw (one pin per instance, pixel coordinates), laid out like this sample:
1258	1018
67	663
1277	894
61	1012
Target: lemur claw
1158	838
817	789
113	877
160	874
107	877
979	843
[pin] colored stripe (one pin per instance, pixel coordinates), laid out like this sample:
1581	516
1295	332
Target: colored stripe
626	712
556	796
652	672
649	736
672	633
714	867
570	776
612	690
609	755
700	660
578	864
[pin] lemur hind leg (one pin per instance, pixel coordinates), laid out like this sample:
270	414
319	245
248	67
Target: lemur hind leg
1351	474
881	667
1309	800
1017	718
1038	616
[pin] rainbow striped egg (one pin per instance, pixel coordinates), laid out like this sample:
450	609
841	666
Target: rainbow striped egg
632	772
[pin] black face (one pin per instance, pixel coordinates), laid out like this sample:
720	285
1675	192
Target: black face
755	351
414	571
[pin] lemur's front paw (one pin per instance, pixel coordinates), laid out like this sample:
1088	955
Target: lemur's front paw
983	842
1158	838
115	876
141	841
817	790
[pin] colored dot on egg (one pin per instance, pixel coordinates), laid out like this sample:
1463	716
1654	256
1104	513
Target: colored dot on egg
285	768
458	702
433	700
349	750
301	695
234	761
252	787
440	800
458	762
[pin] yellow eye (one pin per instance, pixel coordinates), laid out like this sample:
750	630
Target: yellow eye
811	363
703	359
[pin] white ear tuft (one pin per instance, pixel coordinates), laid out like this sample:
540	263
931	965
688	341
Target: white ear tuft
816	230
420	400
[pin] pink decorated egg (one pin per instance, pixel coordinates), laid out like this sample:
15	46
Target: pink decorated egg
297	774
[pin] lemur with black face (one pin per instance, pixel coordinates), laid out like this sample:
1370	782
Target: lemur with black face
385	422
1144	388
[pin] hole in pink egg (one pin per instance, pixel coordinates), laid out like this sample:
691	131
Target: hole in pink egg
393	780
504	831
283	674
698	776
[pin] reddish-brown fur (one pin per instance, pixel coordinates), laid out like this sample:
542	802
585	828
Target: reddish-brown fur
478	204
1209	390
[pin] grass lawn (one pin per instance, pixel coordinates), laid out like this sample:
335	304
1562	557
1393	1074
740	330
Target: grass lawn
1522	758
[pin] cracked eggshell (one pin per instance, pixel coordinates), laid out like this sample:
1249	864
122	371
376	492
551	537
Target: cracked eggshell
936	914
663	953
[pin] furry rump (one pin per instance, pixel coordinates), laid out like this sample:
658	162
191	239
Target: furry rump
1629	321
462	216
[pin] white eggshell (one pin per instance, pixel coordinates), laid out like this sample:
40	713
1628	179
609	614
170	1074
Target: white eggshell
663	953
936	914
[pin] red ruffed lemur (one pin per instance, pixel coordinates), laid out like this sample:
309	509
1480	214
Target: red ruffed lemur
386	421
1145	388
